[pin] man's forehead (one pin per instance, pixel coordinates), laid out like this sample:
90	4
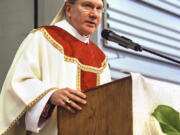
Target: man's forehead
90	0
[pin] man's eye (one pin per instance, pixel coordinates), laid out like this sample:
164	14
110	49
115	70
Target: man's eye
87	5
99	8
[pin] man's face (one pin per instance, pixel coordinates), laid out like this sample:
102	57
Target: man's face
84	15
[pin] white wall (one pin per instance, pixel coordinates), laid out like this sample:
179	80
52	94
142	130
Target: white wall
151	27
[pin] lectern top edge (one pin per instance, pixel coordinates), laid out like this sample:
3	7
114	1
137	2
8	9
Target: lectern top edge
104	85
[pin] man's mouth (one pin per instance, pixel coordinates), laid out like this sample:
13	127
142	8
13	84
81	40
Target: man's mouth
91	23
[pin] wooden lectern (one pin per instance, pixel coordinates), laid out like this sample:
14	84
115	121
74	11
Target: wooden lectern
108	112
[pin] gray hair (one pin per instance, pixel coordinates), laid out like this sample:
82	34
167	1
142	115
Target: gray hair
71	1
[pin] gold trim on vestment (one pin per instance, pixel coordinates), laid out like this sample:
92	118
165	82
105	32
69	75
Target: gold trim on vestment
34	30
98	79
26	109
78	79
71	59
68	59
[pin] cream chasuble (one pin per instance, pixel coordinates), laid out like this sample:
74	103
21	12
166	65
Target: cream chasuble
49	58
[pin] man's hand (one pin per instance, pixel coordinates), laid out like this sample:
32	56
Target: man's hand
68	99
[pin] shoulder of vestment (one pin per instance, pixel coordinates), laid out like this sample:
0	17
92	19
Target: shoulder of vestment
87	56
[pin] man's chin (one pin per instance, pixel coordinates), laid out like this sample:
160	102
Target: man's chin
87	31
90	31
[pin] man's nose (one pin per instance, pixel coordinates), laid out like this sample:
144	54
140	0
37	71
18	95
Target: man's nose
94	12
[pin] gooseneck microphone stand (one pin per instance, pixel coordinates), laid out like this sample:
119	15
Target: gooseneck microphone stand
160	55
129	44
138	47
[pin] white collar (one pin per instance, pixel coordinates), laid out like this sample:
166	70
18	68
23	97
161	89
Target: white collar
70	29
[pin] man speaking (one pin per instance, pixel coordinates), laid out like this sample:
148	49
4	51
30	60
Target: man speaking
52	67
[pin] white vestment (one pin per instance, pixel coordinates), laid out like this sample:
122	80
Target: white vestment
39	67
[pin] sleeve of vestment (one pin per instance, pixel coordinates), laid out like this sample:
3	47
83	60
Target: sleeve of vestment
37	116
27	80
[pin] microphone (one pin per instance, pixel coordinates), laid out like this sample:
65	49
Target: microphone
123	41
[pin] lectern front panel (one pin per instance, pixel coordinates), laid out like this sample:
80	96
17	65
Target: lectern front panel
108	112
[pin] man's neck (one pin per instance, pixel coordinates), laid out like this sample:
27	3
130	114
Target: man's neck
70	29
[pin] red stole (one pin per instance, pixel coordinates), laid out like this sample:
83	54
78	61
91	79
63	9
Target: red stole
87	54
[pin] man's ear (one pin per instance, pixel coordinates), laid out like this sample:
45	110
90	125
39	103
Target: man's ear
67	9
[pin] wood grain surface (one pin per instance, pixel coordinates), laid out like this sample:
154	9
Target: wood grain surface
108	112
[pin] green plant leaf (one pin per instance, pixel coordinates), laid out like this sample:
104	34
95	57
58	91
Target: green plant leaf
168	118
